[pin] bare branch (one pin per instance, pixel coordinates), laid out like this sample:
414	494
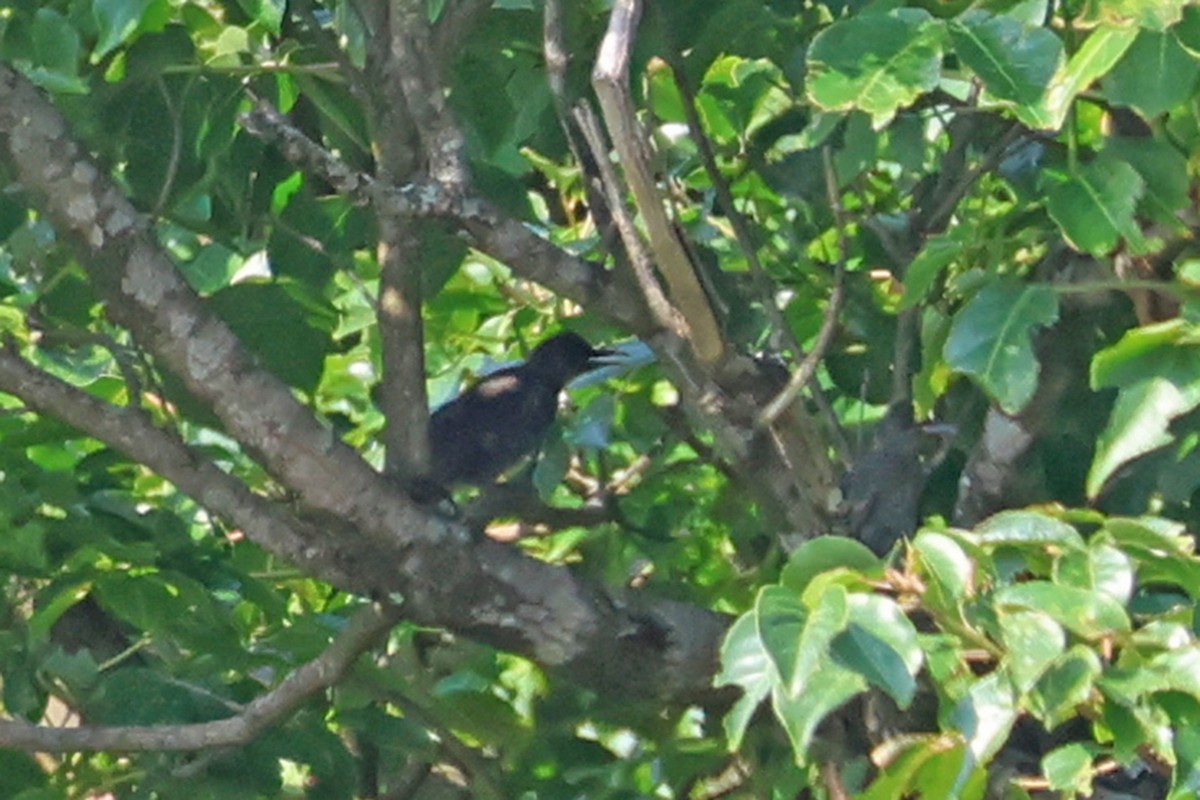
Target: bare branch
610	79
361	633
812	359
415	68
506	239
741	230
640	261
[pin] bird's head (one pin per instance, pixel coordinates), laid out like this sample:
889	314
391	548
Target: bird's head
562	357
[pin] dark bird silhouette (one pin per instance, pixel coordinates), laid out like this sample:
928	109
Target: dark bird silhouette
882	492
474	438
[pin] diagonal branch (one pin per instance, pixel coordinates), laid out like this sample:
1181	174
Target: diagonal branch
499	235
361	633
129	431
610	79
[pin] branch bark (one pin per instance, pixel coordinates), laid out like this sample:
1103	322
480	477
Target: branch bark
362	632
610	79
629	646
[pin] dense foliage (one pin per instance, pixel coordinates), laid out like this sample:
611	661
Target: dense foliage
896	500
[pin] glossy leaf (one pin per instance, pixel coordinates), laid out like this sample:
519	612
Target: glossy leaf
798	640
1100	51
990	339
1033	640
1069	768
826	553
877	63
1088	614
745	664
986	715
1065	686
1094	206
1027	528
881	645
1015	61
801	714
1156	370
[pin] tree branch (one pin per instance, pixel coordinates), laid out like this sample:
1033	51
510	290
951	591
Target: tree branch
361	632
131	432
610	79
494	232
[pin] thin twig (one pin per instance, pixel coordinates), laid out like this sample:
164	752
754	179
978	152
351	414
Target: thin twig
812	359
741	230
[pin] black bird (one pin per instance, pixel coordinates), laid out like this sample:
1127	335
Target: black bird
474	438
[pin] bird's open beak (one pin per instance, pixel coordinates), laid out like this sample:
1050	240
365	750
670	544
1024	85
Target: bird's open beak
604	357
609	362
626	354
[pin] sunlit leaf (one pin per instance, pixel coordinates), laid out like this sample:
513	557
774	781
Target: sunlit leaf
876	63
991	339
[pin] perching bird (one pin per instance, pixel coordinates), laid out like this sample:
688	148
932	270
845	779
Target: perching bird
474	438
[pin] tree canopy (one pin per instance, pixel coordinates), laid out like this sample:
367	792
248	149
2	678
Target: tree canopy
892	498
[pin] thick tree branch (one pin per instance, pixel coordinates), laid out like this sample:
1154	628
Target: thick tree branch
363	630
131	432
491	592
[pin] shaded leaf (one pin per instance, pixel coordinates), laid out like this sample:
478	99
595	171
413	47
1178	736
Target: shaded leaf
881	645
1015	61
1155	75
1094	206
990	339
1157	370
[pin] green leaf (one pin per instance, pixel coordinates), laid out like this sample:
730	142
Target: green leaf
1033	641
1101	567
800	715
990	339
1151	533
1157	370
1015	61
1027	527
826	553
268	13
744	663
797	640
924	756
277	329
946	564
881	645
986	715
938	252
1094	206
1164	171
55	42
1066	685
1155	75
1091	615
1069	768
877	63
116	21
1103	48
1154	15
